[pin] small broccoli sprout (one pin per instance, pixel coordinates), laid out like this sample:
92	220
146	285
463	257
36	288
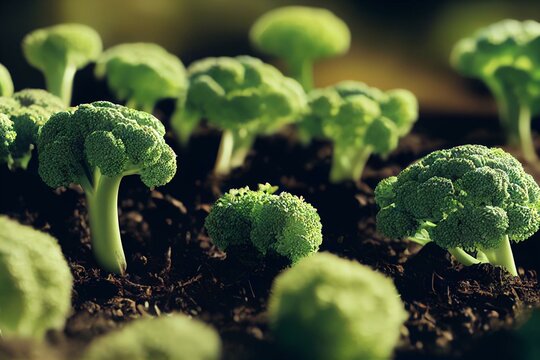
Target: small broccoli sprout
59	51
168	337
6	84
301	35
142	74
35	280
505	57
259	222
326	307
242	96
23	115
95	146
360	121
468	199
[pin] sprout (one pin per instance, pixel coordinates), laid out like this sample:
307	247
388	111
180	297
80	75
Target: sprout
6	84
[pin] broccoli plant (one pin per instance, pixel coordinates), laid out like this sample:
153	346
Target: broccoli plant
330	308
6	84
168	337
244	97
24	114
505	57
59	51
301	35
360	120
259	223
35	280
470	200
142	74
95	146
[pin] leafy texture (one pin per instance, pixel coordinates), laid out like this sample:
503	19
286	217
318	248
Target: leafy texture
6	84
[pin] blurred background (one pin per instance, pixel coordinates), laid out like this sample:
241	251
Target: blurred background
394	43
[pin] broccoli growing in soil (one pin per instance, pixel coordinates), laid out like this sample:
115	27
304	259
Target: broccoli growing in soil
505	56
95	145
242	96
6	84
468	199
21	118
330	308
59	51
301	35
35	280
360	121
259	222
169	337
142	74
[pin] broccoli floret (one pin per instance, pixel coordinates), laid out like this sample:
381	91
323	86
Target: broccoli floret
59	51
95	145
301	35
168	337
27	110
242	96
142	74
360	120
35	280
330	308
468	199
246	221
504	56
6	84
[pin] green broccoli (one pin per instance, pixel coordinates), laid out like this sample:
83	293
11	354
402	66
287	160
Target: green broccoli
242	96
142	74
466	199
301	35
96	145
326	307
6	84
35	280
26	111
505	57
59	51
360	120
261	223
169	337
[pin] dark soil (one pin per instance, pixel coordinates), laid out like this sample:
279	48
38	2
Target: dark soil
173	266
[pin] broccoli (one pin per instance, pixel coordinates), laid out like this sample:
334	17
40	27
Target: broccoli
301	35
244	97
142	74
24	114
505	57
360	120
6	84
261	223
59	51
35	280
95	145
326	307
466	199
169	337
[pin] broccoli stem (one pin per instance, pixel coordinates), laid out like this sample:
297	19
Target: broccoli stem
348	163
19	162
502	256
60	82
302	71
223	161
243	142
463	257
233	149
183	123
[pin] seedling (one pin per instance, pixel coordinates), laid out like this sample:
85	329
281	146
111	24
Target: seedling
6	84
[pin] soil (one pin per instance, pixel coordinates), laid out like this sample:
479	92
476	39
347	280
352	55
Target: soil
173	266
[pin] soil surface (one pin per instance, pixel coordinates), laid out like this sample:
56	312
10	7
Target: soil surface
173	265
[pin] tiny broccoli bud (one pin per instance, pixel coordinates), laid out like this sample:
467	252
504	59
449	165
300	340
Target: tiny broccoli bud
168	337
35	280
6	84
318	309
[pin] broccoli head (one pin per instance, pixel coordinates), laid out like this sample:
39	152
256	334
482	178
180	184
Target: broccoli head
242	96
27	110
6	84
301	35
35	280
330	308
142	74
258	222
467	199
59	51
95	145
